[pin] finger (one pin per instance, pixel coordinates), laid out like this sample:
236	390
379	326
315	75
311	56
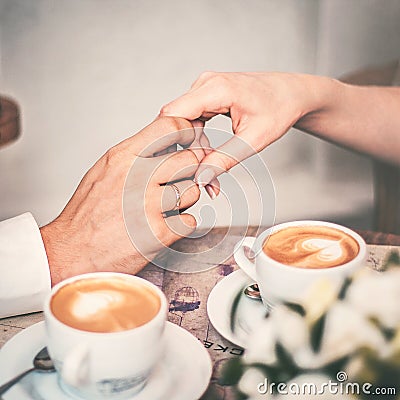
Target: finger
203	78
196	146
213	188
168	150
160	135
201	147
216	186
198	127
179	195
205	143
232	152
179	226
174	167
202	102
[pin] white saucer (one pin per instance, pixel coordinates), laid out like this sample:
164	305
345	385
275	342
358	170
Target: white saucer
249	312
183	373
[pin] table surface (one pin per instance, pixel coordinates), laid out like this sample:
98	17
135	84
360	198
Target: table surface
216	265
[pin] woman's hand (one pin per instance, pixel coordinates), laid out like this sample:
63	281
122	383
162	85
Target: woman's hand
115	221
262	106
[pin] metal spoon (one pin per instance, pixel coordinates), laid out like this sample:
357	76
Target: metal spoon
252	292
42	362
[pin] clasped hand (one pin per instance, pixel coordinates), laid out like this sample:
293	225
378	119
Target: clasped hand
116	220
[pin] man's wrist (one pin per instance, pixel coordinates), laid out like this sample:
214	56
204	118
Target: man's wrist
48	238
61	255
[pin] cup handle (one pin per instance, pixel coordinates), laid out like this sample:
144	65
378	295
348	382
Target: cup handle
75	368
242	260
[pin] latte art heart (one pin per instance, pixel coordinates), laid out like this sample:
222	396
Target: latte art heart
323	249
311	247
91	303
105	305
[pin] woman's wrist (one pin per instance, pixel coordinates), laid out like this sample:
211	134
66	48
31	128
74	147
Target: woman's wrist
323	96
323	92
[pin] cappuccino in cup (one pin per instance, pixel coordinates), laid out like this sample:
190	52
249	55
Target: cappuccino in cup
311	247
105	305
291	257
105	333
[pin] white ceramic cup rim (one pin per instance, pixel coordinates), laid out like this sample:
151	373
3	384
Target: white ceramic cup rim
260	239
162	312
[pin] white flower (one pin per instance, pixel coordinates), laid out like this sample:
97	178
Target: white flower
349	326
284	325
319	298
355	367
347	330
251	382
261	348
291	328
377	295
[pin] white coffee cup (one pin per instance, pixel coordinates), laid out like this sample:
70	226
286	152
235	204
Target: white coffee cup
110	365
283	283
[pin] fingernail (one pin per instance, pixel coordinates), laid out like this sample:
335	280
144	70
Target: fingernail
211	192
205	177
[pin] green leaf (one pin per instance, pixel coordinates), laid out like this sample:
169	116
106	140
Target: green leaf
317	333
231	372
345	286
287	366
382	372
235	305
297	308
388	333
392	259
334	367
270	371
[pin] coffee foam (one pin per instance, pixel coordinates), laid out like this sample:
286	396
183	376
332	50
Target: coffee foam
105	305
311	247
89	304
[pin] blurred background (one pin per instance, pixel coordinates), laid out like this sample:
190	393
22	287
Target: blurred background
86	74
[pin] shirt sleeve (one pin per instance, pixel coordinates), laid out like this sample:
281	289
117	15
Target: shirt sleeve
24	270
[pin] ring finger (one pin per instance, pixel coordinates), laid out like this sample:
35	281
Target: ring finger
180	195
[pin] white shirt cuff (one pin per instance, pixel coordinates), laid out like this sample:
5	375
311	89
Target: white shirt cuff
24	270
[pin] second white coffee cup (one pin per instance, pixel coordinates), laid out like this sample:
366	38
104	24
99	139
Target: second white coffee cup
283	283
110	365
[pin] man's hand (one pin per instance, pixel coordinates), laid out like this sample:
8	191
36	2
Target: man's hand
91	233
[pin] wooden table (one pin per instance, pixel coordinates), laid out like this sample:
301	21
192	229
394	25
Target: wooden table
187	293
